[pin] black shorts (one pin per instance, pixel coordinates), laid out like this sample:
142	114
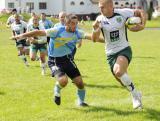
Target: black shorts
21	43
63	65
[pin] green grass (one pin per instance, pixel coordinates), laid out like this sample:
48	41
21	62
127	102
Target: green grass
25	95
151	24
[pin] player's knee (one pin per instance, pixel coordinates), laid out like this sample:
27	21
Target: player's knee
79	84
118	73
33	59
63	81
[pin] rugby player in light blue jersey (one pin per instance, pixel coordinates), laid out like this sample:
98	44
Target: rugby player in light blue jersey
46	23
60	58
71	44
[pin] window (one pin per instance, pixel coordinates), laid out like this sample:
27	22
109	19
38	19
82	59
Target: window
127	3
10	5
81	3
72	3
30	5
116	3
42	5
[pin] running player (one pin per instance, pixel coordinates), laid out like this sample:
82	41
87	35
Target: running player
60	58
38	43
20	27
112	24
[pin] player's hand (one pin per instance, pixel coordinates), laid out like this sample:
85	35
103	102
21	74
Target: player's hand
96	25
137	28
16	37
32	40
79	44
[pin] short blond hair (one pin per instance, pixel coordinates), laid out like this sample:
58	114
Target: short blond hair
104	1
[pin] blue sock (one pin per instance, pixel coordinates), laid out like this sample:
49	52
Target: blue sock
57	90
81	95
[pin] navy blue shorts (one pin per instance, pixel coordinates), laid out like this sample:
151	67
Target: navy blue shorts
63	65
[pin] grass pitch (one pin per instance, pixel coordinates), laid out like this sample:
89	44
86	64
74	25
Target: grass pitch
25	95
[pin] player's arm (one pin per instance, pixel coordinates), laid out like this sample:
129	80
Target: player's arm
96	31
98	39
30	34
141	26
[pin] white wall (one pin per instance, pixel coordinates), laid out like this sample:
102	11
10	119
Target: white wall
2	4
87	8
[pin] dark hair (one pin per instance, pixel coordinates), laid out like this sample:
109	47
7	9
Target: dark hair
69	17
43	14
14	10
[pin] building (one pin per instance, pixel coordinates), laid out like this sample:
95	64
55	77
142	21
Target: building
53	7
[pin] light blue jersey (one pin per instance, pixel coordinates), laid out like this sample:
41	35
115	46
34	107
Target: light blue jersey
46	23
59	25
60	38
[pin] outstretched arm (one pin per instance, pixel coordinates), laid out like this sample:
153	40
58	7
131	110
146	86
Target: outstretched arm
141	26
30	34
96	31
97	39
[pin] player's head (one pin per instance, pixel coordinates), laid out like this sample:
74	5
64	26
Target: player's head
35	20
71	22
106	6
17	18
33	14
14	11
62	16
43	16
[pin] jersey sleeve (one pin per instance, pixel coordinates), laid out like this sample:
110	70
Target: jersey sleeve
24	25
81	34
51	32
12	26
126	12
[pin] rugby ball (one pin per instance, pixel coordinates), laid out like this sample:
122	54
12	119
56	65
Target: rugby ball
132	21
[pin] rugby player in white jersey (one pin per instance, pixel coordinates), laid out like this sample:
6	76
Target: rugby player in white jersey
38	43
112	24
20	27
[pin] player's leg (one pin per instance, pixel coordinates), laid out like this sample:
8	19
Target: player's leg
61	79
20	48
73	72
33	52
120	72
81	92
43	53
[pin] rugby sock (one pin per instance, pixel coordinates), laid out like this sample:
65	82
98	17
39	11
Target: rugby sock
23	57
126	80
81	95
57	89
43	65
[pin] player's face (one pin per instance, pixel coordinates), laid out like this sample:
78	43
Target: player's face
72	25
35	21
17	19
62	18
43	17
106	7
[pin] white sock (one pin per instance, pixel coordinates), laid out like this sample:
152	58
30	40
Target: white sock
43	65
126	80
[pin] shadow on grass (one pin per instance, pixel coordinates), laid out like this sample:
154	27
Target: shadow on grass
152	114
104	109
144	57
2	93
102	86
79	59
147	113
